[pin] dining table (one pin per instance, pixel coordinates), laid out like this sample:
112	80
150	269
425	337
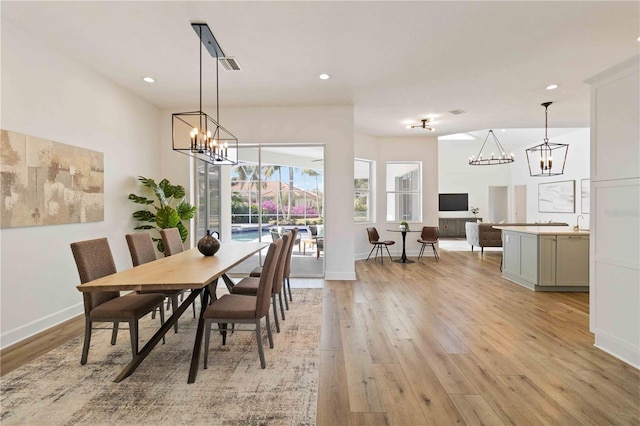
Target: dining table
403	258
189	270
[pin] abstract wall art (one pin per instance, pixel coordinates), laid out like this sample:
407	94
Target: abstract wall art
557	197
43	182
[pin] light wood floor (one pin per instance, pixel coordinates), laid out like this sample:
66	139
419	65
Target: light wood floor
448	343
453	343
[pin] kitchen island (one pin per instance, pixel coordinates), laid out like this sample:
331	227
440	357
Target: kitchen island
546	258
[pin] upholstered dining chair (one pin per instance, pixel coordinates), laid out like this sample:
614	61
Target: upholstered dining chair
239	309
429	237
142	251
287	271
249	285
94	260
374	239
172	242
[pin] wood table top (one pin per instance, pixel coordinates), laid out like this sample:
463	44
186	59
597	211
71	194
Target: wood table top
186	270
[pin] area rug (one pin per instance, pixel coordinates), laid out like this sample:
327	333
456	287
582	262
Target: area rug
56	390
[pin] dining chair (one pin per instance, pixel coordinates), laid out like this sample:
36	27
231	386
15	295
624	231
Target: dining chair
249	286
374	239
429	236
94	260
142	251
172	242
239	309
287	272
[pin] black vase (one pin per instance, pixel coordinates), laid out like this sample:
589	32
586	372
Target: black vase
208	245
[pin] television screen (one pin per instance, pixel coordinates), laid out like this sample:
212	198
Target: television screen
453	202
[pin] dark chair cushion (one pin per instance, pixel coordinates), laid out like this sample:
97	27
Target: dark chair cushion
232	306
247	286
131	306
256	271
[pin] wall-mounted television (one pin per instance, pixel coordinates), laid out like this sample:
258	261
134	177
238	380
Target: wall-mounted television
453	202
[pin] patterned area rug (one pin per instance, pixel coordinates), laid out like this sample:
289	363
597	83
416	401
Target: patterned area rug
234	390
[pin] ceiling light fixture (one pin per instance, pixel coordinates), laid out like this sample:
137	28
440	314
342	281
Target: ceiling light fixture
325	76
552	87
197	134
493	159
540	157
424	125
148	79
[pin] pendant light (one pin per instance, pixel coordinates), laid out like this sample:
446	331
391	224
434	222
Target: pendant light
547	159
489	160
197	134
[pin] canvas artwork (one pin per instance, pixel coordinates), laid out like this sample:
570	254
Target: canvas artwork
585	195
556	197
48	183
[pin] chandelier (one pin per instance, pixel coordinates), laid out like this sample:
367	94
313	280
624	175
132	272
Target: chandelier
540	158
197	134
493	159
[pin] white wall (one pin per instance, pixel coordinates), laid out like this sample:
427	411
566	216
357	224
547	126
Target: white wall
48	95
331	126
381	150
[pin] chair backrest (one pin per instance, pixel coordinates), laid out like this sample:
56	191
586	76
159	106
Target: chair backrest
172	241
141	248
275	235
263	296
287	265
373	235
429	233
278	276
94	260
313	230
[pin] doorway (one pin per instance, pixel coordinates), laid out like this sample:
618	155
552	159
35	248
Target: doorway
520	203
498	206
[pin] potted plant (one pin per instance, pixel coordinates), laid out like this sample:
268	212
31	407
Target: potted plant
169	212
475	211
404	226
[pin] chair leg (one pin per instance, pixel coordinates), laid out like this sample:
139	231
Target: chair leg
281	307
259	339
275	312
87	341
435	252
174	304
133	332
114	333
161	318
193	305
388	252
269	331
421	253
372	249
223	331
284	289
289	287
207	337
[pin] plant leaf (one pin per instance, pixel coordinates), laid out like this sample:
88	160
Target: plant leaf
145	227
167	217
179	192
183	231
148	182
186	211
140	200
144	216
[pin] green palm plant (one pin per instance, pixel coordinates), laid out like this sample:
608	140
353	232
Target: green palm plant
170	211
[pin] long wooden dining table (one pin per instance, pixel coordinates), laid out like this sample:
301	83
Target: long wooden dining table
186	270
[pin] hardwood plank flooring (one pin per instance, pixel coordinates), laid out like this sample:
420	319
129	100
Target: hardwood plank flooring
447	343
453	343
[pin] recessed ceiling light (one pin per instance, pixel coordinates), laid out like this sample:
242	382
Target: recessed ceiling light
325	76
552	86
148	79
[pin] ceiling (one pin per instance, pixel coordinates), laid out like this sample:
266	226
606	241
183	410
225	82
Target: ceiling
393	61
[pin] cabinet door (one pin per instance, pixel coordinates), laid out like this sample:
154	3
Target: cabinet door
547	260
572	264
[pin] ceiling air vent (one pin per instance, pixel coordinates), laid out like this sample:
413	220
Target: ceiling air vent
230	64
456	112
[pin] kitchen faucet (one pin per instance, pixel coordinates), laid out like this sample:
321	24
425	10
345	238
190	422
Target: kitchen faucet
577	227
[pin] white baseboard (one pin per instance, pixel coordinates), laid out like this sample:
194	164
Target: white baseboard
14	336
618	348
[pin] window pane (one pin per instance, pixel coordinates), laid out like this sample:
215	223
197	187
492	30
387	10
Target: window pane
403	184
362	191
403	207
403	177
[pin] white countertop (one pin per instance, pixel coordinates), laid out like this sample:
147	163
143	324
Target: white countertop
544	230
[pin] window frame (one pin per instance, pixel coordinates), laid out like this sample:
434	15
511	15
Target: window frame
410	192
368	193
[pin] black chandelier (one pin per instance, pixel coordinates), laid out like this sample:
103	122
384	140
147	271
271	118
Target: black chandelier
197	134
540	158
493	159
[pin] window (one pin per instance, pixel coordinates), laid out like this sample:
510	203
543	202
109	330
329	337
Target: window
363	187
208	181
404	191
